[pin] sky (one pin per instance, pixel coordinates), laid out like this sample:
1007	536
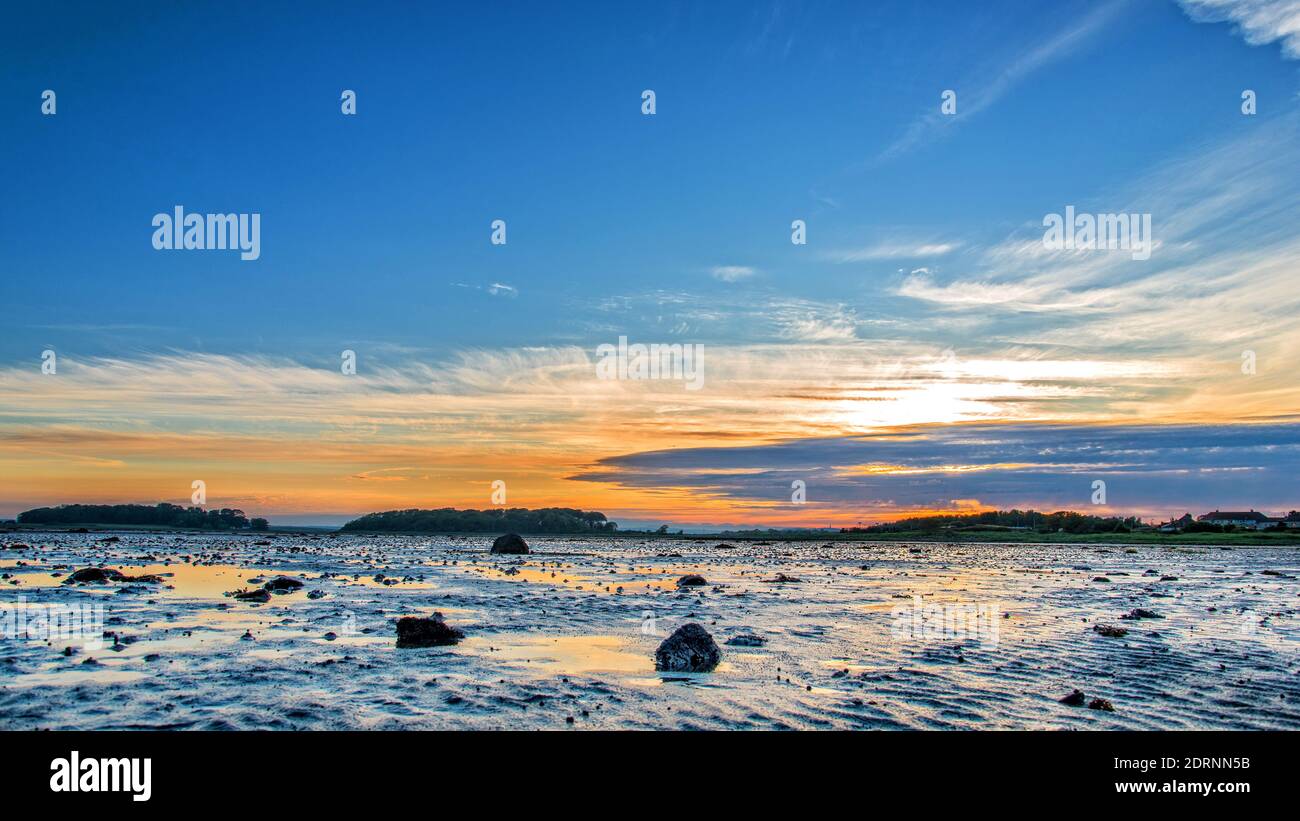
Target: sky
923	350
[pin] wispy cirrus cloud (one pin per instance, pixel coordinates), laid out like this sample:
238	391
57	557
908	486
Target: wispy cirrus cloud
731	273
494	289
808	323
985	87
400	432
1225	247
893	250
1258	21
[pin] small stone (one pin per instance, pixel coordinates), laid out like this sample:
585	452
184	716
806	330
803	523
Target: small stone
1074	699
781	578
1141	613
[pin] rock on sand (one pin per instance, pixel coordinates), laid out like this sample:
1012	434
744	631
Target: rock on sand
510	543
413	631
690	649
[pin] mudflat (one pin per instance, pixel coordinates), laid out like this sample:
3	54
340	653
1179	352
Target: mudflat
837	636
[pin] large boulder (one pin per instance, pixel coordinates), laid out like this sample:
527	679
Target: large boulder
691	580
413	631
690	649
510	543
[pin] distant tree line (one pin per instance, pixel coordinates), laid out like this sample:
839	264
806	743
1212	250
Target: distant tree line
1062	520
162	514
496	520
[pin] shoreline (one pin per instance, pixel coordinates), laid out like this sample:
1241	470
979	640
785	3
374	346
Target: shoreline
969	537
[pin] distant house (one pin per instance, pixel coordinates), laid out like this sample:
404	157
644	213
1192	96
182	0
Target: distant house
1249	520
1292	519
1176	525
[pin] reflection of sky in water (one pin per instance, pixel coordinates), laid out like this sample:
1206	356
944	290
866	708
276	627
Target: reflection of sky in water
178	580
596	580
562	654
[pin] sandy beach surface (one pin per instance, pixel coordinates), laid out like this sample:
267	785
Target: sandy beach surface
853	636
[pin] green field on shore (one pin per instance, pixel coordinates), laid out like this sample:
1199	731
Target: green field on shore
967	535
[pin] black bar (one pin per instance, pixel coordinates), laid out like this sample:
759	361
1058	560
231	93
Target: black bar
325	770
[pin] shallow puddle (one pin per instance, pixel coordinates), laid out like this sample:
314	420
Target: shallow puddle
563	654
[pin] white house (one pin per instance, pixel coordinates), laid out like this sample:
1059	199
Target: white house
1249	520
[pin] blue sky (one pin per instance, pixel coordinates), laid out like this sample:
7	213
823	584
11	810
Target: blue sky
766	113
671	227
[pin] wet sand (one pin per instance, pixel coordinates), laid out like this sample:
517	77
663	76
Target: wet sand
564	638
